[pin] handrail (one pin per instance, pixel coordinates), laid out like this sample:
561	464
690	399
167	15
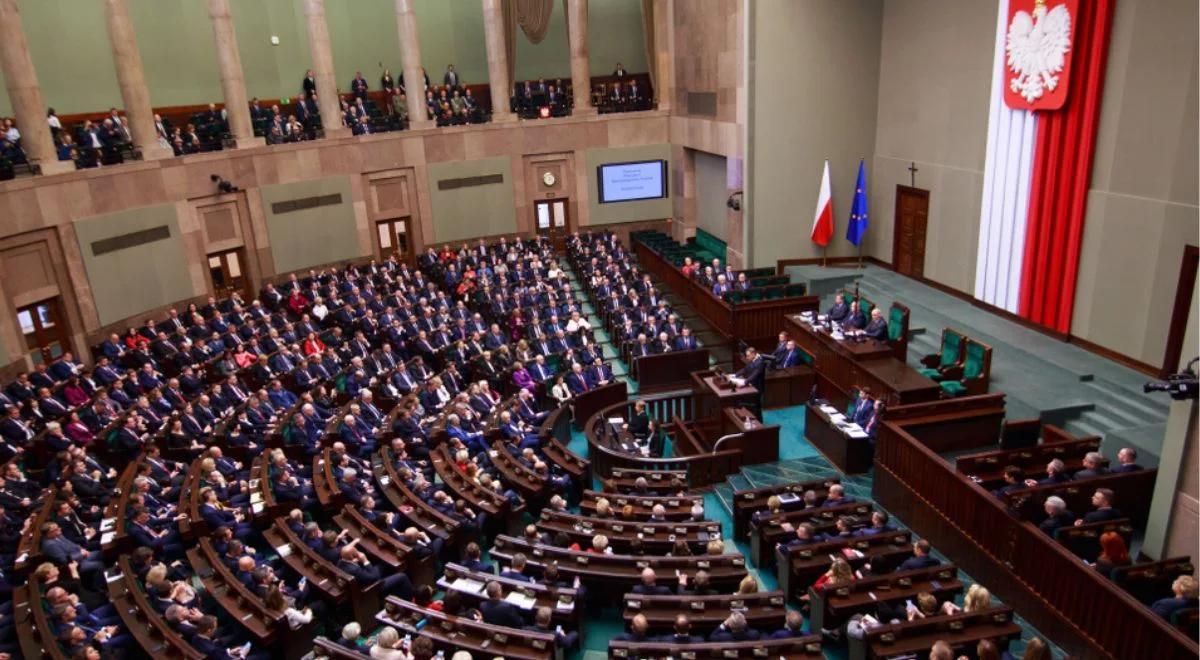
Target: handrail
722	439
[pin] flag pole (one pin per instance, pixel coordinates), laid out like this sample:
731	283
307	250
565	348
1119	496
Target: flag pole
860	254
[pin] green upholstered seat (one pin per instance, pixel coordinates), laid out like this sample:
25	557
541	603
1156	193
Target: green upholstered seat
754	294
774	292
865	307
953	387
931	373
973	366
895	324
795	290
951	347
734	297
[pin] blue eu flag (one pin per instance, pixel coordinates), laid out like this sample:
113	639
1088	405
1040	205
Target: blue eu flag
857	227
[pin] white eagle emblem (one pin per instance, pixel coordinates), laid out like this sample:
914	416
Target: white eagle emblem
1037	48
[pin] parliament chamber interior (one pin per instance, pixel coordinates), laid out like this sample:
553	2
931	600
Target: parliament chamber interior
638	329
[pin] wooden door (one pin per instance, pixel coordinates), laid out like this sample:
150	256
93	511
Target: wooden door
45	329
1184	291
908	241
226	272
551	218
394	239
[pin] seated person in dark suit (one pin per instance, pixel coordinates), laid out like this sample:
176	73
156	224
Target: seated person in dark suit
1093	466
541	624
1057	515
793	626
648	586
497	611
840	309
1056	473
638	629
734	629
920	558
1013	481
877	328
791	356
854	318
683	632
1184	589
1102	499
1127	459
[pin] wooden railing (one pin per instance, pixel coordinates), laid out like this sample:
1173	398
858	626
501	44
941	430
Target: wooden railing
703	470
751	322
1060	595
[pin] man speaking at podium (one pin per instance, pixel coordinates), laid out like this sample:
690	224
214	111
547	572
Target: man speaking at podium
755	375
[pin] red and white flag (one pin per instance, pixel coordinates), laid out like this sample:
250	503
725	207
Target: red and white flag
822	229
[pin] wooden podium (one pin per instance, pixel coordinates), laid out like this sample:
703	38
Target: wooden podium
715	392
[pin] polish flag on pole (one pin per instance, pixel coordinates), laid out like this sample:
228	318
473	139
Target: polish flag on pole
822	229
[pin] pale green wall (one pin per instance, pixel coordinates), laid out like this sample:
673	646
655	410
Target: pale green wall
938	121
1142	205
118	279
452	33
651	209
462	213
813	97
73	59
711	195
315	236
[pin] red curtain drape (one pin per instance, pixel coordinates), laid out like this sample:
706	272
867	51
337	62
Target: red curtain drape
1061	175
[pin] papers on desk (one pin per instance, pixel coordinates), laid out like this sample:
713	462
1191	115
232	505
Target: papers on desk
856	432
468	585
107	524
740	382
564	604
616	421
106	538
788	498
521	600
828	409
284	550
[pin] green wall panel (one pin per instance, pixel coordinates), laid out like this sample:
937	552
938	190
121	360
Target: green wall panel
129	281
467	212
70	49
310	237
652	209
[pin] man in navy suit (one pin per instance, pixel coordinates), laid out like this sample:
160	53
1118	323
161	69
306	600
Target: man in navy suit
755	375
840	309
1102	499
1127	459
497	611
854	319
648	586
877	328
577	380
920	558
788	357
685	341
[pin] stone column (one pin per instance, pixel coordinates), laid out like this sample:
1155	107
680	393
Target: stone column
664	46
410	56
322	65
497	54
135	95
581	79
233	80
21	81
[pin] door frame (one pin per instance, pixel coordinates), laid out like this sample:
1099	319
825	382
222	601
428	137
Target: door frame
410	256
1184	294
896	216
63	328
554	232
246	289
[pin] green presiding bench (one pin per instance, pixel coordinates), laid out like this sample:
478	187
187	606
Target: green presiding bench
962	366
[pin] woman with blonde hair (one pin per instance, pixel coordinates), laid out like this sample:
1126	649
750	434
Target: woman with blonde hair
839	573
715	547
603	508
388	646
